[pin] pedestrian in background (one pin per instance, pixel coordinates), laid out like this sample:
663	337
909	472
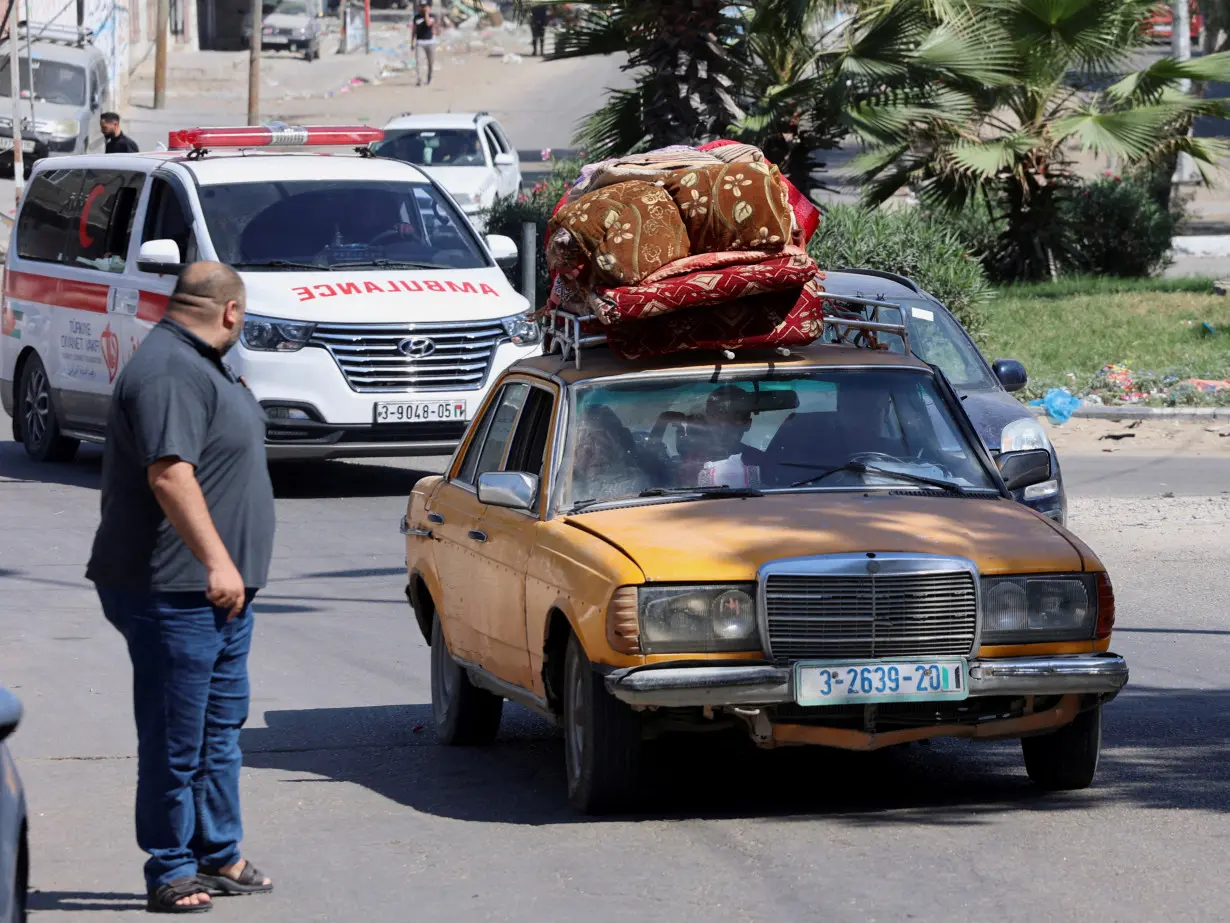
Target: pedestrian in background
538	29
185	542
424	42
117	141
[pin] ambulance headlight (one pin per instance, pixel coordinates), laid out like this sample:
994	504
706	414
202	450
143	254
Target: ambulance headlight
522	329
267	334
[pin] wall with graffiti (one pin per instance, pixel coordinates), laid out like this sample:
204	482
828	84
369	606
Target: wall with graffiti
109	21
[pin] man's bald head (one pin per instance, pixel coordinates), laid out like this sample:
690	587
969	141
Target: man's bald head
209	300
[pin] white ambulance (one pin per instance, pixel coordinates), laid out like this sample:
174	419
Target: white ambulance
376	320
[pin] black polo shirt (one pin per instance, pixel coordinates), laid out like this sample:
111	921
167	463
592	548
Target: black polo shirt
176	398
121	144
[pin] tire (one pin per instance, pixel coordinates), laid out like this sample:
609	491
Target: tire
40	427
465	715
602	740
22	880
1067	759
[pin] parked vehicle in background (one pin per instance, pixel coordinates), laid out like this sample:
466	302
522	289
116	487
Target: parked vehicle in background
291	26
14	828
1002	421
1160	25
469	154
64	86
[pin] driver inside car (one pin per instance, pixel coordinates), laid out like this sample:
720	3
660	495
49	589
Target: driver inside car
714	451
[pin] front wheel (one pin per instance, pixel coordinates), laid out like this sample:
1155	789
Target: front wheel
464	714
602	740
1066	759
40	427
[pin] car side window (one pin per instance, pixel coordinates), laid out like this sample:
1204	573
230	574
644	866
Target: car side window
493	143
529	443
486	449
169	218
501	138
103	223
47	214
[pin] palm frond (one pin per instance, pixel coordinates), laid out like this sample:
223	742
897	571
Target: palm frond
983	160
598	32
1131	134
617	128
1166	73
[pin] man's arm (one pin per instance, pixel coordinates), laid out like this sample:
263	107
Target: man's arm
174	484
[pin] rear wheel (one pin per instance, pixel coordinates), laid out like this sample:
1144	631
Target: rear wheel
602	740
464	714
1066	759
40	427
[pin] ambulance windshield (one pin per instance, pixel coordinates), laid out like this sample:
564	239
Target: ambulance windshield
337	224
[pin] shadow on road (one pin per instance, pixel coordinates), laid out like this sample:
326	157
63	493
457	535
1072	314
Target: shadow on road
1164	748
85	900
84	471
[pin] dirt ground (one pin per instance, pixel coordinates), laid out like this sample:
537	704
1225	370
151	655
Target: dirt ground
1202	437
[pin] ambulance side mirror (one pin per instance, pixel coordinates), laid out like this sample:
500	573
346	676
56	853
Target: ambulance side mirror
503	250
159	256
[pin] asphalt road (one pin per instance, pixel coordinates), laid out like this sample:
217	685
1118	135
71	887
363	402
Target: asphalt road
359	815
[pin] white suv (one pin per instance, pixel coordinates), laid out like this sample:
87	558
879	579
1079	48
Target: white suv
467	153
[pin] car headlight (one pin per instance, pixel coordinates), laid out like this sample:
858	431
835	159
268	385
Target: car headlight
1023	435
58	128
698	619
1029	610
266	334
522	329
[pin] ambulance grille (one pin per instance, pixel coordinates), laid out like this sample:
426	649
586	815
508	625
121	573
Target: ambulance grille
457	359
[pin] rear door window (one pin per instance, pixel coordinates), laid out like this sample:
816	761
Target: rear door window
107	203
47	214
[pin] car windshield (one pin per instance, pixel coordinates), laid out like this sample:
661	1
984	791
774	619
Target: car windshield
330	223
290	9
814	429
54	82
936	338
441	147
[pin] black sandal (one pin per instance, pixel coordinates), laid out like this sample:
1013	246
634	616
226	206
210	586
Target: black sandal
250	881
162	899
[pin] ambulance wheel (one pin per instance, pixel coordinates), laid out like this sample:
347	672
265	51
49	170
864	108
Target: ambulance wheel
465	715
40	428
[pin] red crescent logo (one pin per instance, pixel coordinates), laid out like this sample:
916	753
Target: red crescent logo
82	234
111	352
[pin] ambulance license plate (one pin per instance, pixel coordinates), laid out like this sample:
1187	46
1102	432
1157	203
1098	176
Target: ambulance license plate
27	146
853	682
420	411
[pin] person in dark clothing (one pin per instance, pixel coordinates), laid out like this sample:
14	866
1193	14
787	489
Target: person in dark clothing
424	43
538	29
117	141
184	544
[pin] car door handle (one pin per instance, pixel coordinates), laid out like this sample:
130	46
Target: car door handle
436	518
407	529
477	535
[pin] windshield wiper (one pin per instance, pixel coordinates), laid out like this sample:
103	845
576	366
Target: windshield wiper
282	264
858	467
704	492
388	264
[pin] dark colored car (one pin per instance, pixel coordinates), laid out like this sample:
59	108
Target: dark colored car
1003	422
14	837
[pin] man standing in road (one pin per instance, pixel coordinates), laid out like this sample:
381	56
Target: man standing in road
424	42
185	542
538	29
117	141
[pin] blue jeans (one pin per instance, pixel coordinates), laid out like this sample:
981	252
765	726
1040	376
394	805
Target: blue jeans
190	699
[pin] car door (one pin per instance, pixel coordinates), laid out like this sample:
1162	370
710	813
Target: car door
505	539
510	176
453	517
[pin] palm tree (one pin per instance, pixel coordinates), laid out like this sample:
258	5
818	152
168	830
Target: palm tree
1009	141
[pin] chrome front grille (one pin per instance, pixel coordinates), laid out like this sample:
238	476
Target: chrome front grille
837	615
369	357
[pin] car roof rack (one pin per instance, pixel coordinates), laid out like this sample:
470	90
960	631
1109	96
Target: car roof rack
76	36
565	333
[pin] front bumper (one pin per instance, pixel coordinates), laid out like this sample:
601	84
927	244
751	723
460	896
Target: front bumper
670	686
309	440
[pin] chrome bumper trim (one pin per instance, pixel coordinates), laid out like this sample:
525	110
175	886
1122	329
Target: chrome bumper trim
761	684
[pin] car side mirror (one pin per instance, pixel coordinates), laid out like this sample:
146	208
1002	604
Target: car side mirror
503	250
160	256
504	159
514	490
10	713
1011	374
1024	469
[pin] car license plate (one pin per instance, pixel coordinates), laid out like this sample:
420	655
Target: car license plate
419	411
859	682
269	39
6	144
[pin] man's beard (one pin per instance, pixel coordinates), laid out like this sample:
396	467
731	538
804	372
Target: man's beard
229	344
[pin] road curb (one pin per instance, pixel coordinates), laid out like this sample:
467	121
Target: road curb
1102	412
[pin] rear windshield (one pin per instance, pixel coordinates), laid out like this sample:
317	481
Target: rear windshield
337	223
442	147
54	82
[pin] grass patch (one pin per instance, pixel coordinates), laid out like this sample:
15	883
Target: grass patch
1107	285
1065	341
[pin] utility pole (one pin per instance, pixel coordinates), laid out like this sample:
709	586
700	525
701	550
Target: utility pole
254	65
160	54
19	168
1181	49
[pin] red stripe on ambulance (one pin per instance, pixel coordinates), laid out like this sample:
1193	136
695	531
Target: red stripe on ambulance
60	293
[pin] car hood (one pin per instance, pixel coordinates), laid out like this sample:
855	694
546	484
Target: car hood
990	411
385	296
729	539
52	111
469	180
287	21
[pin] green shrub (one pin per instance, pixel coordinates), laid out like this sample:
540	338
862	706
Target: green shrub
507	215
1118	228
924	248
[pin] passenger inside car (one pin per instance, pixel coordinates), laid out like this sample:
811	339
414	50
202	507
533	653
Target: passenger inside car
607	461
